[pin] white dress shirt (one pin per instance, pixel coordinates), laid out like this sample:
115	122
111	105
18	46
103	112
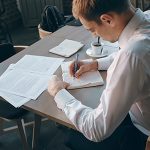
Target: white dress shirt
127	86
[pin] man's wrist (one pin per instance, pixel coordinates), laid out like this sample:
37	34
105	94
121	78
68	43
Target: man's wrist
62	98
94	65
57	90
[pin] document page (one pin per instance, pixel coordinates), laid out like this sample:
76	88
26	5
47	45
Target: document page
13	99
24	84
88	79
39	64
27	79
67	48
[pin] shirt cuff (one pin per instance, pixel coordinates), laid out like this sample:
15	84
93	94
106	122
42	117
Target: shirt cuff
62	98
103	63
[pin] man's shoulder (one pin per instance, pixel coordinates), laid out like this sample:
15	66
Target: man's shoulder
139	45
147	14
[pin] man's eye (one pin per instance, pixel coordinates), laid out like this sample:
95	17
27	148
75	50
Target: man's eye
91	30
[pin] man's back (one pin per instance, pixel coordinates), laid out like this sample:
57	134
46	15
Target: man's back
138	46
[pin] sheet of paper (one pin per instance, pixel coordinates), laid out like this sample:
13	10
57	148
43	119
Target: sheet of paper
88	79
39	64
67	48
13	99
23	84
27	79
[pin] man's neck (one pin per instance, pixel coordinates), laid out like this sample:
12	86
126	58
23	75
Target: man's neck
129	14
126	17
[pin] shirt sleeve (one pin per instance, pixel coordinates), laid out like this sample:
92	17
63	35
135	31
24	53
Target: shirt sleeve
121	90
104	63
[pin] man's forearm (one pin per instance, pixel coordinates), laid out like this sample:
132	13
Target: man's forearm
94	65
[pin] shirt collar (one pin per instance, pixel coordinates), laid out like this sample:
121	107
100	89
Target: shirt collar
130	28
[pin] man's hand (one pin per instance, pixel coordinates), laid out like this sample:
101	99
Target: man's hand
55	85
84	66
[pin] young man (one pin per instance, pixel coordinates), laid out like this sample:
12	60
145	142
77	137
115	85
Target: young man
128	77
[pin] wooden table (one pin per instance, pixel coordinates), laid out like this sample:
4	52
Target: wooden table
45	104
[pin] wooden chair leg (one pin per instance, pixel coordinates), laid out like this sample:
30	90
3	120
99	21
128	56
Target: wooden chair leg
22	132
36	131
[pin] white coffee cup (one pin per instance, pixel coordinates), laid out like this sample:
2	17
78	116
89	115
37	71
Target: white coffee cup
96	48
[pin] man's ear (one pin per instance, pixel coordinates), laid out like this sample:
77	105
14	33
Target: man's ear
107	19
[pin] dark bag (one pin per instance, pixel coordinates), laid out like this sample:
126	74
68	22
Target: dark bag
52	19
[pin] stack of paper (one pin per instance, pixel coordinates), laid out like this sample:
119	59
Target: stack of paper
67	48
88	79
27	79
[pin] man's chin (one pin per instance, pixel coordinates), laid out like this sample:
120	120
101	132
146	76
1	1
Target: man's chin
112	41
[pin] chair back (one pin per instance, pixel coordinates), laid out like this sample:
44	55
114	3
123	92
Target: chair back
6	50
2	8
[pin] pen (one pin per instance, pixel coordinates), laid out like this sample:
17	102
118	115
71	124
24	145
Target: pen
98	40
100	44
76	64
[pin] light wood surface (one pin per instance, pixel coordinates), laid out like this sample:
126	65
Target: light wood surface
45	104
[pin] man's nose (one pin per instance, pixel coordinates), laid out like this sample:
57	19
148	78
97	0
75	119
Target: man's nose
94	35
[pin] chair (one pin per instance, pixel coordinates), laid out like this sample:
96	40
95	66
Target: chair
5	36
7	111
7	50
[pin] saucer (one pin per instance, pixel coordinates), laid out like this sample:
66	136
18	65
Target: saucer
89	52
